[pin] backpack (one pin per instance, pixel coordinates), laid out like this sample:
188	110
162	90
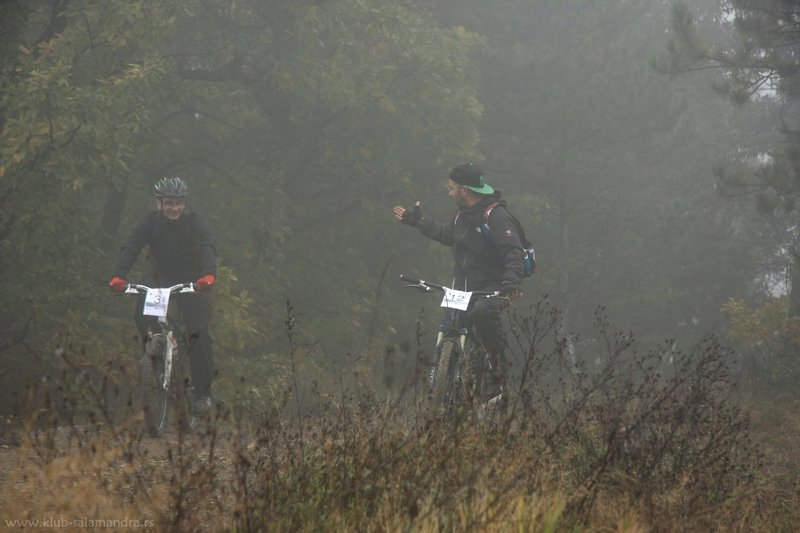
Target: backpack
529	261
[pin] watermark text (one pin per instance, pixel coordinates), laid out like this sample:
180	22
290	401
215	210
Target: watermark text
53	522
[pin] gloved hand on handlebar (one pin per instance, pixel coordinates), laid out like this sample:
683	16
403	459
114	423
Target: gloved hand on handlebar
206	282
117	284
510	292
409	218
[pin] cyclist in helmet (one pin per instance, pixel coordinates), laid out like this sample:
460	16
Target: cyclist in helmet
181	250
484	260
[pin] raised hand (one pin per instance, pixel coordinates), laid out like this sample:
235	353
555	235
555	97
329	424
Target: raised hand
410	218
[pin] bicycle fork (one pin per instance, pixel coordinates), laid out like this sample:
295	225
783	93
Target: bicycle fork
462	339
172	344
170	347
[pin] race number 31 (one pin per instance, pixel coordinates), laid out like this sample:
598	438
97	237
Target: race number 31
156	302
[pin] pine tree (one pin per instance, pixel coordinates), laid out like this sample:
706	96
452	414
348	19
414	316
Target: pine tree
757	62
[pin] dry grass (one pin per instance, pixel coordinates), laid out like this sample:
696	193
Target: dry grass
357	473
630	446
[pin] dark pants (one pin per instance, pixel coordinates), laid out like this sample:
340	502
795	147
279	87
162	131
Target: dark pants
195	313
486	317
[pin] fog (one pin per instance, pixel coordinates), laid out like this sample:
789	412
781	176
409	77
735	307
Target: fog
631	159
299	127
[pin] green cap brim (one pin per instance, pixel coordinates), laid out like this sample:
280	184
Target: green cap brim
486	189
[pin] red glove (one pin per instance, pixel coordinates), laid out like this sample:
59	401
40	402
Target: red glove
510	292
117	284
206	282
514	294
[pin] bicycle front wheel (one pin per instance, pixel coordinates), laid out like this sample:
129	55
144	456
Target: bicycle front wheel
446	385
151	387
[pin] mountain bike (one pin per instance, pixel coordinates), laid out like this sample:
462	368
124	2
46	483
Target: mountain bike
461	366
163	369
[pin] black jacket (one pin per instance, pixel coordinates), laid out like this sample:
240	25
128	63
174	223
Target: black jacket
481	263
181	249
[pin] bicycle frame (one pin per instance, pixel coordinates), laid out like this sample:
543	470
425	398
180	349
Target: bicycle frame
170	346
159	359
167	330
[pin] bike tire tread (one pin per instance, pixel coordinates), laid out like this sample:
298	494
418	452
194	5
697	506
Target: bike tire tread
446	388
154	397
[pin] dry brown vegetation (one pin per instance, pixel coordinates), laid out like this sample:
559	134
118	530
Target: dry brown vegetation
648	441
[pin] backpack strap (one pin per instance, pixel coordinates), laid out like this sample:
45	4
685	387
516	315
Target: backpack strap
485	230
486	212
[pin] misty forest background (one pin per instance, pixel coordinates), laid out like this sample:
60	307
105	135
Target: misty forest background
649	149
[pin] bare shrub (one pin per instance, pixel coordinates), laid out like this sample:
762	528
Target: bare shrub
609	438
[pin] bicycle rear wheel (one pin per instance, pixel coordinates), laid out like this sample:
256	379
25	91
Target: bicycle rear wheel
446	385
481	386
473	372
151	387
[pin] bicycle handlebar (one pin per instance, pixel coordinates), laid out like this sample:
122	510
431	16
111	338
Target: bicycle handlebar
420	284
427	286
134	288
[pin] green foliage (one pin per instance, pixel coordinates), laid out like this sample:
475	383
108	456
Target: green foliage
276	130
299	125
770	324
74	107
233	325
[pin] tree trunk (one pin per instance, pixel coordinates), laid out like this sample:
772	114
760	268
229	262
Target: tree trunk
112	212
